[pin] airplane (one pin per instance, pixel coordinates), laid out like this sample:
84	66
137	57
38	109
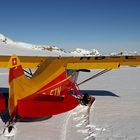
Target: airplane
50	86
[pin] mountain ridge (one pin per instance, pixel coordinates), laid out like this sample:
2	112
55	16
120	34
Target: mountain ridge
8	46
79	51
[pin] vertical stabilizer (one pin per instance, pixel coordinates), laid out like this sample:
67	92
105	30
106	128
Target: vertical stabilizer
16	74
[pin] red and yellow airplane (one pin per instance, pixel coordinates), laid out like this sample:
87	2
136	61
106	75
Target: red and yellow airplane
52	89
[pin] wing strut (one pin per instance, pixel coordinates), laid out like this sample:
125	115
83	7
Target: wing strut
94	76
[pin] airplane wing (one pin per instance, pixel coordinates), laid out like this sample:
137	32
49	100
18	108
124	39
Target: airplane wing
97	62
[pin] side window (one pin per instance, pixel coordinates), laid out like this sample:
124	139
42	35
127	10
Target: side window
69	72
72	73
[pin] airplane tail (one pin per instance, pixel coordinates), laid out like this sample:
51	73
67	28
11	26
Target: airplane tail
17	83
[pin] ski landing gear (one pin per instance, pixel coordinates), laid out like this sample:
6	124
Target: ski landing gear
10	129
87	100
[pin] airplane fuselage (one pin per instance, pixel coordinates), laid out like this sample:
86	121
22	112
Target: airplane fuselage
52	98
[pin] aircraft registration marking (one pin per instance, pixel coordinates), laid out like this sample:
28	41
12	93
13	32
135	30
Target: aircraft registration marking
56	91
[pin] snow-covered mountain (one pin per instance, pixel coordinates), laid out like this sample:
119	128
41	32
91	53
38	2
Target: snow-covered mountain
134	53
84	52
5	39
8	46
10	42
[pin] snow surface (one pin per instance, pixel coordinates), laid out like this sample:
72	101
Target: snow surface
115	114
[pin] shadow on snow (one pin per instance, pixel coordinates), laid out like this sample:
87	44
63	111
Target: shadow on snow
99	93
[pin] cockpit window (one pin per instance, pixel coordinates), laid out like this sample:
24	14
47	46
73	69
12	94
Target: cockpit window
72	73
69	72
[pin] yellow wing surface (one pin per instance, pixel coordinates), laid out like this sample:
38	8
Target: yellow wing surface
99	62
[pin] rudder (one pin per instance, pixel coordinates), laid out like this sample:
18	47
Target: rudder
16	77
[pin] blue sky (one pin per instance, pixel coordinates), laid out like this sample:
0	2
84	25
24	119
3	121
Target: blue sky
105	25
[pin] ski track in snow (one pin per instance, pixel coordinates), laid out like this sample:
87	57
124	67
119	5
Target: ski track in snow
63	137
78	123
